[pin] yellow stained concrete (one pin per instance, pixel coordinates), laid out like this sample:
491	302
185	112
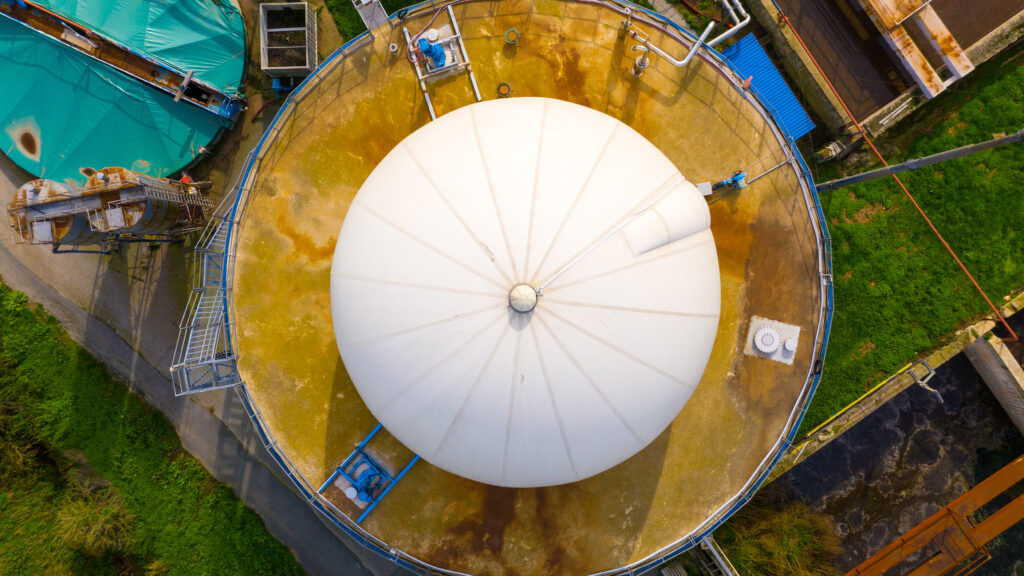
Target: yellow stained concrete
767	254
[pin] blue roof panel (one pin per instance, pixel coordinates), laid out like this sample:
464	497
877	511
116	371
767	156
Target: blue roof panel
749	57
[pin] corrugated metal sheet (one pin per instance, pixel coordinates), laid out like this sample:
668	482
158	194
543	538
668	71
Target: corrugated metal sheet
751	60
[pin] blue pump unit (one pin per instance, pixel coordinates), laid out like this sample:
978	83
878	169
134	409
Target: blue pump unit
432	51
737	181
368	477
279	86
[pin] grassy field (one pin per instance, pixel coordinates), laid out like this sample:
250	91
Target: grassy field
898	293
785	540
706	11
93	481
346	18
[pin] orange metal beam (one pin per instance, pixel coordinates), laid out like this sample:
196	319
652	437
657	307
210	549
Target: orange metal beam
955	546
1000	521
957	539
906	545
989	488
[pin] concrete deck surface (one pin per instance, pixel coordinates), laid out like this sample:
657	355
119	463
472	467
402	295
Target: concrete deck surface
768	256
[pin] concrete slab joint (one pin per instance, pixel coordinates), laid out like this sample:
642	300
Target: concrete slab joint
1002	374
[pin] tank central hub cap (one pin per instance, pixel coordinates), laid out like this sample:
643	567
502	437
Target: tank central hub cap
522	298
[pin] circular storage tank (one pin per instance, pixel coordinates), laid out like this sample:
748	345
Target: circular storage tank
426	290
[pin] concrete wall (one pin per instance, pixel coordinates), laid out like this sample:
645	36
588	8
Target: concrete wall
819	96
799	66
1002	374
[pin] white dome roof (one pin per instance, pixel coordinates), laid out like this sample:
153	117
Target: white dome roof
436	247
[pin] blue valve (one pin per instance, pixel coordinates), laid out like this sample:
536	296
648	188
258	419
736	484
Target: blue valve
432	51
737	181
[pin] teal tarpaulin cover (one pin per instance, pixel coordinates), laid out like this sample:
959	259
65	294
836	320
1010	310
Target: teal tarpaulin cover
204	36
64	112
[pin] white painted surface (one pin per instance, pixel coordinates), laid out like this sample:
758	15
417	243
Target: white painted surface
524	191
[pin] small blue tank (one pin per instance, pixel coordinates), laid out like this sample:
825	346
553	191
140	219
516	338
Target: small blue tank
432	51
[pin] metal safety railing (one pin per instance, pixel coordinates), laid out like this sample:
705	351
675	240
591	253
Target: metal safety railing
205	355
824	241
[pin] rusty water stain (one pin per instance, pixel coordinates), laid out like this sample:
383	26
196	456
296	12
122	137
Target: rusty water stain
140	166
499	512
303	243
569	77
28	143
483	538
556	558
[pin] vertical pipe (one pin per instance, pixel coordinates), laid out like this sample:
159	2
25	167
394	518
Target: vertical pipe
739	25
698	43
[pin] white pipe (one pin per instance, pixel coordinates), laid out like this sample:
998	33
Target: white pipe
732	12
740	8
730	4
732	7
698	43
678	63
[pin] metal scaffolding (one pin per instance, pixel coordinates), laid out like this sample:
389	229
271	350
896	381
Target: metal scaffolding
115	206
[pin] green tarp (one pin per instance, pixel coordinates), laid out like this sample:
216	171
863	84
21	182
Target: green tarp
206	37
63	112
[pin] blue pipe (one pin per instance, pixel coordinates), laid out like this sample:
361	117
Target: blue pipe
386	490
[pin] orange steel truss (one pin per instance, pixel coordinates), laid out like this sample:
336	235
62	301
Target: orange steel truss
960	543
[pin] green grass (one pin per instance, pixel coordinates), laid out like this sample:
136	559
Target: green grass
93	481
644	4
898	293
392	6
347	19
707	8
791	541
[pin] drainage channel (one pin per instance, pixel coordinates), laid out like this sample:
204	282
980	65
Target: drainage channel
908	456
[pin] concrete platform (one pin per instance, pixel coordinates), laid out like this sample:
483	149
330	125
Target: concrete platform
769	248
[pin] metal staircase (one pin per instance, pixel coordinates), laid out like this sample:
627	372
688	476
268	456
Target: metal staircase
204	354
